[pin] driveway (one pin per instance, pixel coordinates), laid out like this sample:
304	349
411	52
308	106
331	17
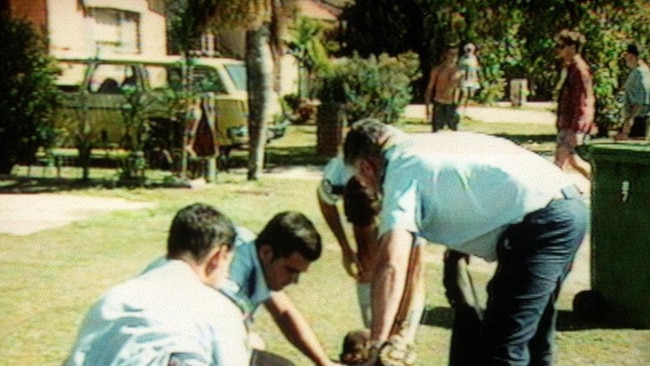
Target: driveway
24	214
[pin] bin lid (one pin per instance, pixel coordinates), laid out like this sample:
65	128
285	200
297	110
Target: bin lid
626	152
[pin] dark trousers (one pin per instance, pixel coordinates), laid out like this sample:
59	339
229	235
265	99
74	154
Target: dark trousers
639	127
263	358
534	258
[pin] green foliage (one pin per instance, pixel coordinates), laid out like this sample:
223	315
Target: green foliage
27	92
305	41
514	39
376	87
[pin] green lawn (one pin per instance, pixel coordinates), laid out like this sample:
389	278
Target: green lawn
50	278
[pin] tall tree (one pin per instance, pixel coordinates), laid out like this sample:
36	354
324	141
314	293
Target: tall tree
263	20
28	93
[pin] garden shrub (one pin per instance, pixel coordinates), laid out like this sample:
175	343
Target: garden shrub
27	93
377	86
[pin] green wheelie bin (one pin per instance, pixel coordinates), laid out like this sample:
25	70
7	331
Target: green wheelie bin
620	232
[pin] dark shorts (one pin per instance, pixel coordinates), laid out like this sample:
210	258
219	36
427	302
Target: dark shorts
444	115
639	127
359	205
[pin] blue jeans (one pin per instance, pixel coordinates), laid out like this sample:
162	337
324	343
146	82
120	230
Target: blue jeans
534	258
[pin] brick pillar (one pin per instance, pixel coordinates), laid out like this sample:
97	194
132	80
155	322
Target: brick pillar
329	129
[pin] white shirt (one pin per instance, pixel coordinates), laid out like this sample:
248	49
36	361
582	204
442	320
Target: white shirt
463	189
164	316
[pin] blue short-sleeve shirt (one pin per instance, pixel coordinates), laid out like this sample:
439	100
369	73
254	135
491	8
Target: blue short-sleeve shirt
246	284
462	189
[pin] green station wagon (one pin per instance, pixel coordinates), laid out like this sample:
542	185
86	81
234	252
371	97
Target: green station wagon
102	95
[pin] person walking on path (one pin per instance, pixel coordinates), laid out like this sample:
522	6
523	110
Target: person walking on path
442	90
636	107
576	102
470	81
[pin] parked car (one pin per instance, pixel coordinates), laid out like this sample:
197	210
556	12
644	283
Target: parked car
228	76
106	100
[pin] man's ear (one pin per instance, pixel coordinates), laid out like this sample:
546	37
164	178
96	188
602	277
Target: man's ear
365	166
216	258
265	253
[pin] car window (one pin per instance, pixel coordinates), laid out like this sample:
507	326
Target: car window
237	73
206	79
111	79
158	76
71	76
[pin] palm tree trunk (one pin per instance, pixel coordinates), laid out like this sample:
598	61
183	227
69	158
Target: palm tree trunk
259	65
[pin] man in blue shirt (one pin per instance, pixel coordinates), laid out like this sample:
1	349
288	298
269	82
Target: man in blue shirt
480	195
636	107
265	265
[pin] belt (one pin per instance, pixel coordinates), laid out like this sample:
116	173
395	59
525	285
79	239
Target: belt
567	193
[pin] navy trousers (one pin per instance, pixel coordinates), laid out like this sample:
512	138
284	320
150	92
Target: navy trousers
534	258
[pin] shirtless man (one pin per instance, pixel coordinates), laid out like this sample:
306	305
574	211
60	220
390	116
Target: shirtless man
442	90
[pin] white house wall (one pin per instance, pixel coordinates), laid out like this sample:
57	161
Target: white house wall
71	33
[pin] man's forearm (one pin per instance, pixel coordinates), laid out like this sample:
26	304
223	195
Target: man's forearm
295	328
333	220
389	282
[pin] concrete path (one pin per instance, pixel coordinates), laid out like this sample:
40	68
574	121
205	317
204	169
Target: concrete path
531	113
24	214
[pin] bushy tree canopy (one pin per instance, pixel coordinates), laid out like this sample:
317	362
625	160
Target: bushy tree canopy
27	92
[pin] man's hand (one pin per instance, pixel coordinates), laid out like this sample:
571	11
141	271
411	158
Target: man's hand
351	264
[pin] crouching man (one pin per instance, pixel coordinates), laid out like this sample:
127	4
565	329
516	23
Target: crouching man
172	314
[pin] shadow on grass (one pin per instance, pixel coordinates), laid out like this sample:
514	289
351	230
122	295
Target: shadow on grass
275	157
281	156
26	184
541	144
567	321
15	184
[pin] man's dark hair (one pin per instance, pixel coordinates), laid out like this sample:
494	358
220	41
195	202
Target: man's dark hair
633	49
198	228
289	232
571	38
363	140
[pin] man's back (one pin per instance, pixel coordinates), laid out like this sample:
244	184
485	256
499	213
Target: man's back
454	187
165	314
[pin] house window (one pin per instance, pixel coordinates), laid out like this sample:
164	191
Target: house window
115	31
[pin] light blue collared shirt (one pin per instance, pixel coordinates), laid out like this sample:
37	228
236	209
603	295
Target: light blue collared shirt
463	189
164	316
246	284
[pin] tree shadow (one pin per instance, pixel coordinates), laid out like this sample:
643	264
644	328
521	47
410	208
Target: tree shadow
570	321
26	184
567	320
438	316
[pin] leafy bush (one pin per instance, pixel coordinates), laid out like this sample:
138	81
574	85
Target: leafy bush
27	93
377	87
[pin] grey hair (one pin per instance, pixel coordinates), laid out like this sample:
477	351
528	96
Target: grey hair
364	139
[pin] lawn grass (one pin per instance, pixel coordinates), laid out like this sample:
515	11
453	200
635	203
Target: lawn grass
50	278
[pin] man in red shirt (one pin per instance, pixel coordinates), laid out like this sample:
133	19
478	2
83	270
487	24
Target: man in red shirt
575	107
